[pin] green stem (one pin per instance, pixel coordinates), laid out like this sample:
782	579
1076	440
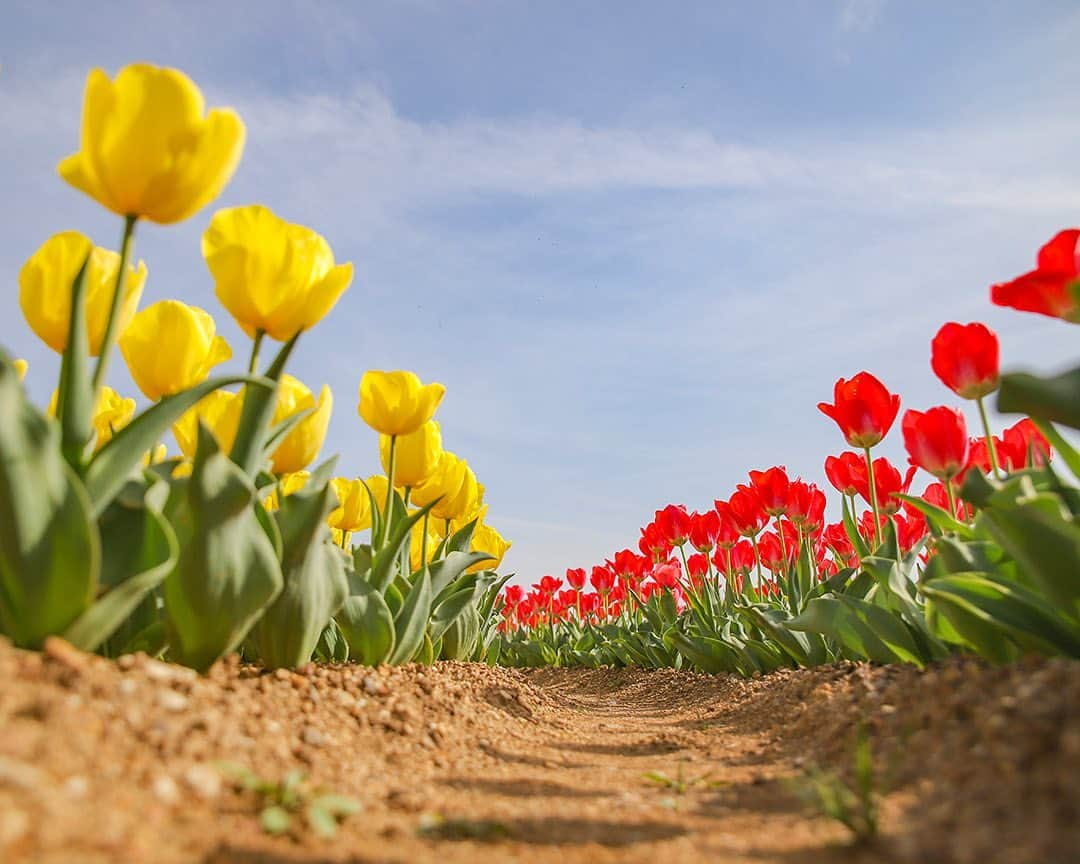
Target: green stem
757	557
990	448
873	496
783	542
113	321
423	539
391	465
951	497
255	346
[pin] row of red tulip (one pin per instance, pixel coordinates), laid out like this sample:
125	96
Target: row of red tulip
765	523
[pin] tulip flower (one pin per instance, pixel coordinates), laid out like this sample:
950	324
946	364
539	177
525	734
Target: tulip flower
396	403
548	585
170	347
1049	289
864	409
466	501
844	470
20	368
602	580
380	489
302	445
576	578
274	277
937	442
148	148
443	485
772	488
418	455
220	411
353	512
888	483
673	522
965	358
1023	445
487	539
423	544
704	529
654	542
667	575
806	506
45	282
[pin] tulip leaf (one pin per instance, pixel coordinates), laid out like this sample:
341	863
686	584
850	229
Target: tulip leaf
367	625
410	623
75	395
228	571
446	572
257	414
867	631
332	647
111	466
384	565
50	553
991	612
1055	398
314	574
446	611
138	551
460	637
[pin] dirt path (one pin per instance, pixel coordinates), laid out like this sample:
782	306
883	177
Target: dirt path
108	762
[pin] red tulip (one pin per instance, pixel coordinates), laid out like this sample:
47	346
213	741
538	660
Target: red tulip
602	579
654	543
965	358
936	440
627	565
729	530
697	566
704	528
863	409
742	557
888	483
576	578
772	488
1048	289
512	595
548	585
807	506
746	511
667	575
673	523
1023	445
844	470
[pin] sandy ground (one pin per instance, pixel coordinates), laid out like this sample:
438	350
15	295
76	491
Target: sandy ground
115	761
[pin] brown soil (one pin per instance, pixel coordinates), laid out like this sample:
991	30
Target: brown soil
113	762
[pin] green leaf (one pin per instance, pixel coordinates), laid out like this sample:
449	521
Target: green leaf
50	554
228	572
410	623
459	639
1055	398
257	414
386	560
139	551
446	573
367	625
75	396
868	632
112	465
314	573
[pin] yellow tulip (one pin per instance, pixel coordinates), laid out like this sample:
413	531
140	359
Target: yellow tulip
45	289
21	366
170	347
477	515
148	148
112	412
220	411
416	455
444	483
396	403
465	502
416	545
286	485
302	445
353	512
272	275
487	539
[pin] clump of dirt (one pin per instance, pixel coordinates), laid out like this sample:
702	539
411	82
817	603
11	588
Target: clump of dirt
104	761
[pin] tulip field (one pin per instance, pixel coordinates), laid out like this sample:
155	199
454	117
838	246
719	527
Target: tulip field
205	543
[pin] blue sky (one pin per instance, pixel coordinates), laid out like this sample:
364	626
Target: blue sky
637	241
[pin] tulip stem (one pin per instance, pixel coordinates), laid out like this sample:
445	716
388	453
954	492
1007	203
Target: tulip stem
255	346
951	496
990	448
391	465
423	539
873	496
113	321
